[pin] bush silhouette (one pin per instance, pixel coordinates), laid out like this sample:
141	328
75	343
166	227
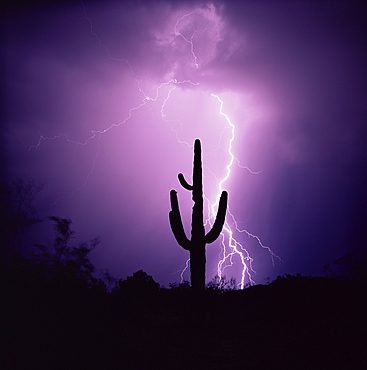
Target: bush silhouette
139	282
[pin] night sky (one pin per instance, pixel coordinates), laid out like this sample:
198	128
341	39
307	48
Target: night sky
102	101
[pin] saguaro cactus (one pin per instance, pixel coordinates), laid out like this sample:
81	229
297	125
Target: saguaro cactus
199	239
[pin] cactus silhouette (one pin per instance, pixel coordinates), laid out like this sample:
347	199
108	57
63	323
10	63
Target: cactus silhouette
199	239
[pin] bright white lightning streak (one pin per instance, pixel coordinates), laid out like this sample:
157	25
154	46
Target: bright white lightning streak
225	178
234	247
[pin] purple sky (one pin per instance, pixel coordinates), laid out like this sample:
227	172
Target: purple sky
87	78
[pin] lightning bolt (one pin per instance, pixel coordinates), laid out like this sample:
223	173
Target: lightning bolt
230	246
234	247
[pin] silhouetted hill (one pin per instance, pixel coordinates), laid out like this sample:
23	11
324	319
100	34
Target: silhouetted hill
293	323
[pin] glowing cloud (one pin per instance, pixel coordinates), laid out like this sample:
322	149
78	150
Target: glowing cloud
172	87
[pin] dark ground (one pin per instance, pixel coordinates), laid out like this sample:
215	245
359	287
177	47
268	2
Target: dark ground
293	323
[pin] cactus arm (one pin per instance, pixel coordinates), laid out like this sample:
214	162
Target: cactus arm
176	223
213	234
183	182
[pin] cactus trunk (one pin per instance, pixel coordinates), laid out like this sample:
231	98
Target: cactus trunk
197	267
199	239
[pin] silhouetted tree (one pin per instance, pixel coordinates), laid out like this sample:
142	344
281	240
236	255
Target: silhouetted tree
199	239
65	260
21	214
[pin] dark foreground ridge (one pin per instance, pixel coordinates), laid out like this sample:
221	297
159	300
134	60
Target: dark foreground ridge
292	323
